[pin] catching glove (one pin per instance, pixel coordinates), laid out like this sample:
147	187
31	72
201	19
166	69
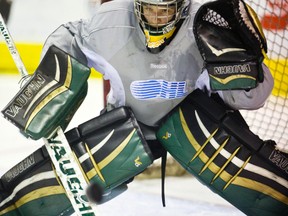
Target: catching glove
232	43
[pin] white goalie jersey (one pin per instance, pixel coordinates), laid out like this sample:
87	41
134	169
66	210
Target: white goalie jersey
113	43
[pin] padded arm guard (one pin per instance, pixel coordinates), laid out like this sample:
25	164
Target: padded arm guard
215	144
110	150
231	41
51	96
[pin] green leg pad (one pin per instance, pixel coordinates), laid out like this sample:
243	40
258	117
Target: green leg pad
224	164
31	188
111	148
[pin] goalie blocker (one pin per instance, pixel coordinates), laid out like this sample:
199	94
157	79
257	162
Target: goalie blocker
50	97
110	150
214	143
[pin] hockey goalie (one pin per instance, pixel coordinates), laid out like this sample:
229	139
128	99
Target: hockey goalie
179	74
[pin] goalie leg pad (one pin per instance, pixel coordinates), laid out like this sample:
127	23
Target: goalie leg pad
111	148
51	96
32	188
211	143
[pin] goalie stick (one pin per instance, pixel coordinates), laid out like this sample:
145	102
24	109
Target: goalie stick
58	148
12	48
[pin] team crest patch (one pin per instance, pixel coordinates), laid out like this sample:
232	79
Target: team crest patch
153	89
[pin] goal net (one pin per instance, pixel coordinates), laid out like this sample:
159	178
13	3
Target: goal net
271	121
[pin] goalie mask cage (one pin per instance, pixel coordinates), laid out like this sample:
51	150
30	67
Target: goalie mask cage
271	121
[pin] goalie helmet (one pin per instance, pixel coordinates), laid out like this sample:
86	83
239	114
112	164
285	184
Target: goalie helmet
158	19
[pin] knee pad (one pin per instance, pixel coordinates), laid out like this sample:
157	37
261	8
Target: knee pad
111	149
215	144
